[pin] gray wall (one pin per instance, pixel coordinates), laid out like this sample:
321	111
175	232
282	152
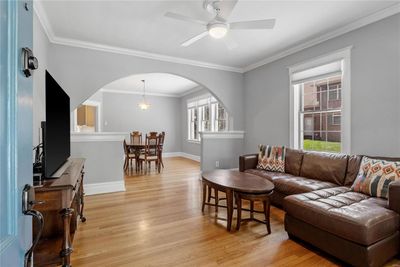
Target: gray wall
120	113
375	91
104	160
226	151
40	48
81	72
188	147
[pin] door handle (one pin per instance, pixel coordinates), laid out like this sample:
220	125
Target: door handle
28	201
30	62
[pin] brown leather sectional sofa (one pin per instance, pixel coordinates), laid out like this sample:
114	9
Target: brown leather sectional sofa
323	211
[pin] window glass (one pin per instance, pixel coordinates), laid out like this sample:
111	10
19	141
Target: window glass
320	114
206	114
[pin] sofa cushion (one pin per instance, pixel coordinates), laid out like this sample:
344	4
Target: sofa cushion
290	185
353	165
375	175
271	158
329	167
268	175
350	215
293	161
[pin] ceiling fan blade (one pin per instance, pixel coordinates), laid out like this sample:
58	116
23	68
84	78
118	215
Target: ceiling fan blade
253	25
230	42
194	39
226	7
184	18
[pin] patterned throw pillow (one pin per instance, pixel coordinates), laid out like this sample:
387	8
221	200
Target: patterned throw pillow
271	158
374	177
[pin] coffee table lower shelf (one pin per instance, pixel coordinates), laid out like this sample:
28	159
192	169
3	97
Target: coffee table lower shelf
236	195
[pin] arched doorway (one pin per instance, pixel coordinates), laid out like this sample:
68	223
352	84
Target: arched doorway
178	106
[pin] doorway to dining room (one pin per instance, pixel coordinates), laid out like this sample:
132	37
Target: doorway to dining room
177	110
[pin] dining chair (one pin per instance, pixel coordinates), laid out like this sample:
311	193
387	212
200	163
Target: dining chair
152	134
150	153
136	137
161	138
128	156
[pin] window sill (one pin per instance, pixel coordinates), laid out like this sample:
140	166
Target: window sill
194	141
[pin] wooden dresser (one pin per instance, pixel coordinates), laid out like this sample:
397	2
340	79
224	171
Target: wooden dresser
62	206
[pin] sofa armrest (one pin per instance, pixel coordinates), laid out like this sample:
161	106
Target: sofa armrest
394	196
248	162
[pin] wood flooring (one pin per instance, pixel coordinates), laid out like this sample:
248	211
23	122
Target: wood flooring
158	222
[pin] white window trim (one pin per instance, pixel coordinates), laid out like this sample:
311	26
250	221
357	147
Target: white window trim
210	101
344	55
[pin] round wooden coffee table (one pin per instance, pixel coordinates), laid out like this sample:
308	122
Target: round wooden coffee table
229	181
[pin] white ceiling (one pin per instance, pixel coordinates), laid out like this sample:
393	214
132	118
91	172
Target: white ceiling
140	25
156	84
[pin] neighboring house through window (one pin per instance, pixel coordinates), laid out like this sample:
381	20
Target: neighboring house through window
320	103
205	113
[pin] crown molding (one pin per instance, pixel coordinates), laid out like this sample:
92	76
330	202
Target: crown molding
41	14
141	54
379	15
44	21
116	91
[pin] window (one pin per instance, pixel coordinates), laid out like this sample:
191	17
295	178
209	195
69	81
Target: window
205	114
320	112
193	128
320	104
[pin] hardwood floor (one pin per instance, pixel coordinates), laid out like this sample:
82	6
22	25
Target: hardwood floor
158	222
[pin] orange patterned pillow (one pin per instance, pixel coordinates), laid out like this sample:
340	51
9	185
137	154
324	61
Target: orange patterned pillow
271	158
374	177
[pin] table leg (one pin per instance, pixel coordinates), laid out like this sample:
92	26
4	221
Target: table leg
209	195
137	155
204	196
66	248
239	211
216	199
251	209
229	204
266	212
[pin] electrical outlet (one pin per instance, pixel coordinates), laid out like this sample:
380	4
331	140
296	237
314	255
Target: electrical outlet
217	164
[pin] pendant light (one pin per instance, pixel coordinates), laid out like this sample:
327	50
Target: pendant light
143	105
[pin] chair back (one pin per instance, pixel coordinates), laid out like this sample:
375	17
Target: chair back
136	137
153	134
151	146
161	138
125	148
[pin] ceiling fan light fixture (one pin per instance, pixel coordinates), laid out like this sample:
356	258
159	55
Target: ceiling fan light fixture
217	30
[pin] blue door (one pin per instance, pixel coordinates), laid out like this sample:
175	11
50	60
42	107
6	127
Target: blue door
15	131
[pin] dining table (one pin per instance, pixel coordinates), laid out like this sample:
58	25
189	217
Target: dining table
136	148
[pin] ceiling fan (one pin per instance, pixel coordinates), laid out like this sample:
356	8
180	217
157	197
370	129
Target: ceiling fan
218	27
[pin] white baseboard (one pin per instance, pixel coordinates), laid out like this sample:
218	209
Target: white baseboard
171	154
103	188
190	156
181	154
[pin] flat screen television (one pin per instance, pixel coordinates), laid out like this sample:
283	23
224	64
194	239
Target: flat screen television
56	132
